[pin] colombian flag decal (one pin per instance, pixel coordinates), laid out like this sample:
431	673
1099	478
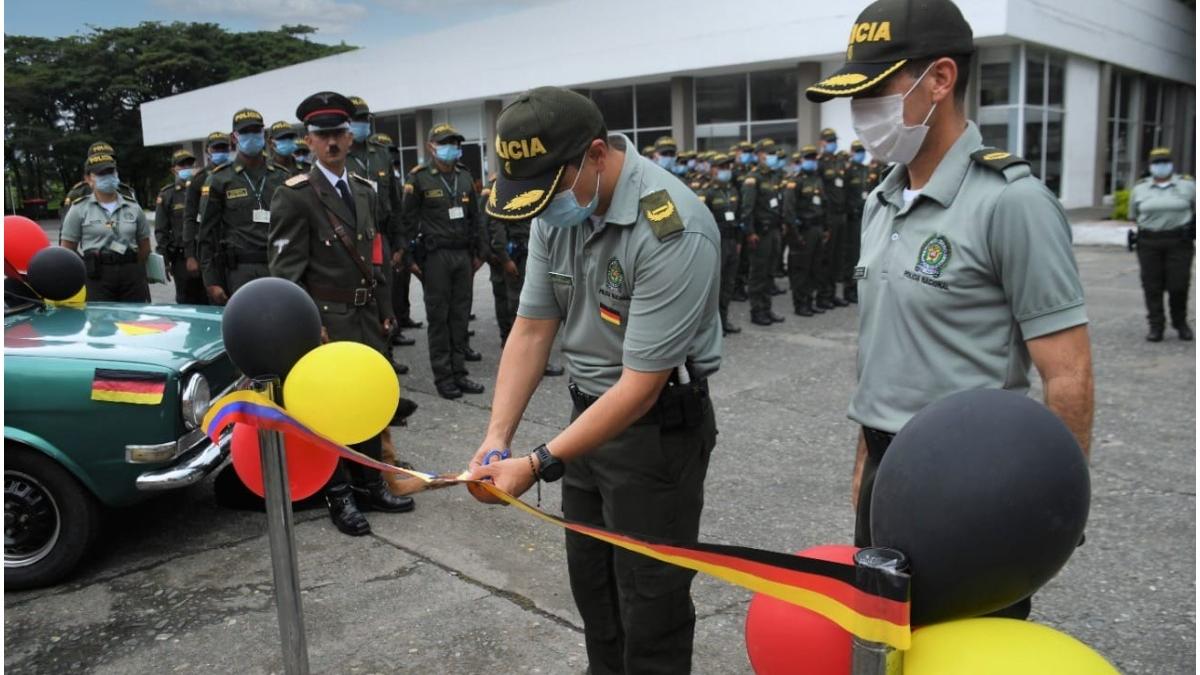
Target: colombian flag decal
128	386
610	315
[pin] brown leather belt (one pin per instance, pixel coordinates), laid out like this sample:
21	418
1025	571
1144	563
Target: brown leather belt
351	296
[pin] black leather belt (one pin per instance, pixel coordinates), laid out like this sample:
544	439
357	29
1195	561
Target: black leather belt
658	413
350	296
113	258
244	255
1177	233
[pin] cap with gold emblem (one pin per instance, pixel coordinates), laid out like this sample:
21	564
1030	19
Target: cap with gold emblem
856	145
744	146
247	118
380	139
99	162
361	110
720	159
665	143
890	33
536	137
443	133
325	111
281	129
766	145
100	148
648	151
180	156
216	138
1160	155
808	150
828	134
687	154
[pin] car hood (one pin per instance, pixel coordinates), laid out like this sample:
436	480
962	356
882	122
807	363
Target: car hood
170	336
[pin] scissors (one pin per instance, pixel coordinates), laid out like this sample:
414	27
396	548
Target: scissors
496	454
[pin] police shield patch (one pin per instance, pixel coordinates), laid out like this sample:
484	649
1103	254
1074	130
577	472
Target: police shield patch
934	255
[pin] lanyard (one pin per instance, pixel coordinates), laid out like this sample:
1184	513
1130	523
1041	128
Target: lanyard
453	192
257	193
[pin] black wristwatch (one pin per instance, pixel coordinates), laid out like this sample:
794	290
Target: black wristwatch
550	468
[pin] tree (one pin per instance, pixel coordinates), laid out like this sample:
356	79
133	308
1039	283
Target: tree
63	94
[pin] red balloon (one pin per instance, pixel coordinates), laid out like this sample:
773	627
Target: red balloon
22	238
785	639
309	467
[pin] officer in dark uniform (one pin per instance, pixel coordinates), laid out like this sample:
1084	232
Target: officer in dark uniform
829	262
235	211
743	165
441	212
169	230
322	232
83	188
861	177
216	148
804	227
283	147
303	156
762	215
721	197
1164	207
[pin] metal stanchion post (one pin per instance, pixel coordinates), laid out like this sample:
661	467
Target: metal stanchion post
278	498
883	567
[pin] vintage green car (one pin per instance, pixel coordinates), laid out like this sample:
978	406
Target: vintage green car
102	407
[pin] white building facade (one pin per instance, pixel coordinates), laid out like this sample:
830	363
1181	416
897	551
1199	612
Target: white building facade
1081	88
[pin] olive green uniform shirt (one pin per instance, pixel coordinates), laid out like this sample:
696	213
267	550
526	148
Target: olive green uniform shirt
168	218
952	284
372	162
636	287
191	210
762	200
722	201
860	180
804	201
229	199
1158	207
833	173
443	206
94	229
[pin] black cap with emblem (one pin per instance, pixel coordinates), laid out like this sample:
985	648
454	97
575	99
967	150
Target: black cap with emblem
246	118
182	156
536	137
325	111
890	33
281	129
444	133
362	111
100	148
99	162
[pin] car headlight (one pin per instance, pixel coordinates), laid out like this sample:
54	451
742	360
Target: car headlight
196	400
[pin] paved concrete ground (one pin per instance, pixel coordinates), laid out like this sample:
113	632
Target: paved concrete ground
180	585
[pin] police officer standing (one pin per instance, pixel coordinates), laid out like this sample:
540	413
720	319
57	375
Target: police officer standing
861	177
829	270
169	228
743	166
216	150
234	212
322	231
635	455
283	147
804	226
721	197
441	211
1164	208
966	274
84	187
762	215
112	234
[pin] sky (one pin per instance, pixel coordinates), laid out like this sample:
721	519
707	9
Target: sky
364	23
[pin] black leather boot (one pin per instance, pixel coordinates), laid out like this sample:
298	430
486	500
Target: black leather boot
344	513
1155	334
376	497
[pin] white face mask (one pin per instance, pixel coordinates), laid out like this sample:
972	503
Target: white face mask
879	123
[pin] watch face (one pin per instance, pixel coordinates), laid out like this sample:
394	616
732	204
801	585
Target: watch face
550	467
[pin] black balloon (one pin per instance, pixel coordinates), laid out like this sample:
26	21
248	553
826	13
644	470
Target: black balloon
987	492
268	325
56	273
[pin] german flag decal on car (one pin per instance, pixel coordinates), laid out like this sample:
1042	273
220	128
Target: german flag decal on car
128	386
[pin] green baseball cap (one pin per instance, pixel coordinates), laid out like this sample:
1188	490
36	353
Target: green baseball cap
362	111
281	129
246	118
890	33
99	162
100	148
536	137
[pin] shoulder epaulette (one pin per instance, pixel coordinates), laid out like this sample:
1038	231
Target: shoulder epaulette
996	159
662	215
166	187
297	180
748	180
417	169
219	167
77	186
791	185
485	191
364	181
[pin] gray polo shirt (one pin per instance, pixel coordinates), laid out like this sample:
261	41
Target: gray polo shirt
93	228
1163	206
636	287
952	284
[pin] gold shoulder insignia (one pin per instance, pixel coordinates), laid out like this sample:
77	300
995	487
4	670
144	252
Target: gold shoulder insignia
662	215
748	181
996	159
417	169
166	187
297	180
491	198
703	198
791	185
524	199
219	167
364	181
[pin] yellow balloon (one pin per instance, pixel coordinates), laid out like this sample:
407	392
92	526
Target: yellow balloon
1000	647
77	301
344	390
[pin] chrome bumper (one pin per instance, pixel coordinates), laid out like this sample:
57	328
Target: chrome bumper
193	465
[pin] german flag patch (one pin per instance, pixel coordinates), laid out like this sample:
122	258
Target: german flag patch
610	315
128	386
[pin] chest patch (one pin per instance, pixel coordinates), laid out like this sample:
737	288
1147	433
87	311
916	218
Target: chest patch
933	256
434	194
237	193
615	278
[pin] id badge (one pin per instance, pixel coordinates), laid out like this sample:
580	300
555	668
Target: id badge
456	212
837	182
860	272
118	248
262	216
816	200
729	216
774	202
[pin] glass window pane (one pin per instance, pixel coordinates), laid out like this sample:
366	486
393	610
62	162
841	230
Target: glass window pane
719	99
1056	80
654	105
616	106
783	133
773	95
993	84
408	130
1035	78
994	135
1126	96
1052	173
719	136
1033	140
408	160
1150	100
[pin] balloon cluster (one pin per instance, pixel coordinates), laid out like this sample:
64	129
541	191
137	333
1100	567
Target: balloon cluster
53	272
345	391
986	492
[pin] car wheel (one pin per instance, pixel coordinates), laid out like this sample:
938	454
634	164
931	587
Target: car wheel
50	519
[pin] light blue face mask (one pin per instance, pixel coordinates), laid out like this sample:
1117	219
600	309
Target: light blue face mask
186	174
679	169
303	159
108	183
251	144
448	153
565	210
218	157
361	131
808	165
831	147
1162	169
285	146
746	158
861	156
665	161
691	164
772	162
724	175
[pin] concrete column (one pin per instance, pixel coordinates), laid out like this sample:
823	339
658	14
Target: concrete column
424	117
1185	130
1103	137
1080	130
808	114
491	113
683	113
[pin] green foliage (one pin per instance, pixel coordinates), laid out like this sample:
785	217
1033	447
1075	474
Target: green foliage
1120	205
63	94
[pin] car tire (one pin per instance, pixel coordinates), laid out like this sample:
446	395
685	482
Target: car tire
50	519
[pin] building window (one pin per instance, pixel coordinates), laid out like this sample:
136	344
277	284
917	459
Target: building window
642	112
1118	156
1158	100
408	142
748	106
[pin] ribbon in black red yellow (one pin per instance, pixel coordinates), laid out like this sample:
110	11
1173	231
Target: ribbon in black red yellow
876	612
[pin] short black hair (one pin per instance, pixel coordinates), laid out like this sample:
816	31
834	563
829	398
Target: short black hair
601	135
962	61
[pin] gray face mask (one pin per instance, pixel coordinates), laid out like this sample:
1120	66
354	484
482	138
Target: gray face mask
879	123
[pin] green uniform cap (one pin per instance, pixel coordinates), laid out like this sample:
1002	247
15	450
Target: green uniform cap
361	109
1160	155
856	145
443	133
744	146
216	138
380	139
99	162
180	156
281	129
890	33
648	150
720	159
828	134
301	144
101	148
766	145
665	143
808	150
246	118
687	154
536	137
